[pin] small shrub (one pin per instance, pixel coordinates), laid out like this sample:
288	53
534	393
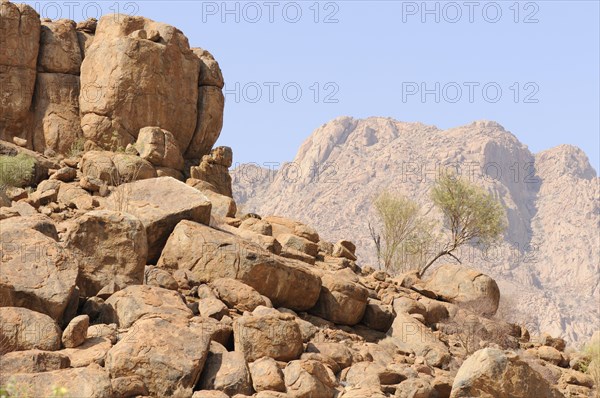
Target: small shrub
77	148
16	171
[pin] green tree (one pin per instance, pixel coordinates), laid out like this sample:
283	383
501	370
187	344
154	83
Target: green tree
404	231
471	215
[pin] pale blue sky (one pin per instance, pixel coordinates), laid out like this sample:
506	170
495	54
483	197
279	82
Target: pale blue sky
372	53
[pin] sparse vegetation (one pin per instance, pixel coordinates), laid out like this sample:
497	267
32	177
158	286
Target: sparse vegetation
592	366
77	148
404	231
16	171
471	215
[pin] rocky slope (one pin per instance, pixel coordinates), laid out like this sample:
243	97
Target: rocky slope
125	273
547	263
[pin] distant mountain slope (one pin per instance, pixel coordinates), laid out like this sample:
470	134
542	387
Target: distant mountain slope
548	262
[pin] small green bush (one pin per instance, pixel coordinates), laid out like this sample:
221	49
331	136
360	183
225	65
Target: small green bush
16	171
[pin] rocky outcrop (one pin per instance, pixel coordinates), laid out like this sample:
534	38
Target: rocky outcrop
492	372
112	249
23	329
464	286
210	254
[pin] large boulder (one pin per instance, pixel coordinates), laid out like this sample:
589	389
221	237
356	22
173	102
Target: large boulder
209	254
23	329
211	103
135	302
282	225
466	286
500	374
131	82
210	72
342	300
59	48
33	361
214	169
88	382
116	168
222	206
266	375
308	379
409	334
237	295
274	335
160	204
227	372
111	247
167	353
20	42
37	273
159	147
56	123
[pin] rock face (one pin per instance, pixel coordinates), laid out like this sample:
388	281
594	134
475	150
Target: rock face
227	372
89	382
37	273
23	329
152	202
112	247
122	65
159	147
543	263
210	254
308	378
168	354
272	336
465	286
492	372
341	300
20	43
59	48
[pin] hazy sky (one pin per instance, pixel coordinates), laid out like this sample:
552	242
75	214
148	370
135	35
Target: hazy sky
290	67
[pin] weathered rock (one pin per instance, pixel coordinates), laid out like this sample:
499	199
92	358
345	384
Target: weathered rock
237	295
219	332
128	386
135	302
38	222
158	277
555	342
465	286
261	227
92	351
214	170
344	249
266	375
210	254
20	42
116	168
378	316
336	351
56	123
159	147
168	354
414	388
282	225
227	372
152	202
222	206
210	72
23	329
111	247
211	103
156	86
342	300
33	361
76	331
275	336
212	307
209	394
501	374
88	382
307	379
409	334
268	243
298	243
59	48
74	197
37	273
